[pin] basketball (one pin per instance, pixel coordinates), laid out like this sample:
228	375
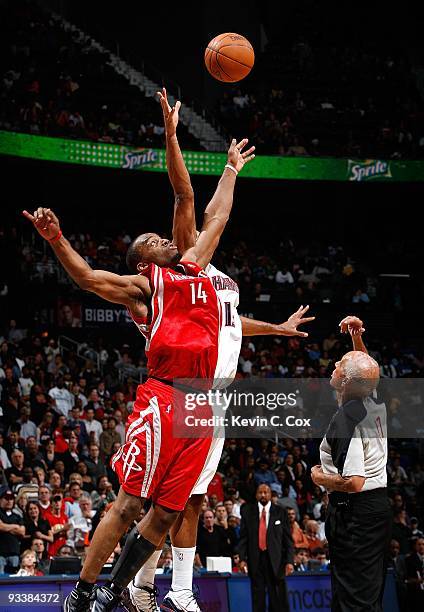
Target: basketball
229	57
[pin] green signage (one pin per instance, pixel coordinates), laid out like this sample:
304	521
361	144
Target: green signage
198	162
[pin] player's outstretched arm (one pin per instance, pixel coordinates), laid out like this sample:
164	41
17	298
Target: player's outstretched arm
218	210
112	287
354	326
184	224
252	327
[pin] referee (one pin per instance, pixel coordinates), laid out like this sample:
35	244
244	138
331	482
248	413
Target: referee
353	470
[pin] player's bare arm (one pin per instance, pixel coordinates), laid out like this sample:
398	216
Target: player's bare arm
128	290
184	224
219	208
252	327
355	327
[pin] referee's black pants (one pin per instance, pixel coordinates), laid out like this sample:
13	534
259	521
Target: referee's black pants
264	580
358	530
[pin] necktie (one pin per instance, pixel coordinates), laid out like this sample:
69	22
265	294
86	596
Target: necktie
262	531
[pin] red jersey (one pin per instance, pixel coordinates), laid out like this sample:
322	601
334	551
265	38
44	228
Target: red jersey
182	334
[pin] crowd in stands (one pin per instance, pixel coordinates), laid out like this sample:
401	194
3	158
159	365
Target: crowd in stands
53	83
324	90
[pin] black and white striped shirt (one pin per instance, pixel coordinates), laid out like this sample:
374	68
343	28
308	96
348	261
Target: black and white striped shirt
356	442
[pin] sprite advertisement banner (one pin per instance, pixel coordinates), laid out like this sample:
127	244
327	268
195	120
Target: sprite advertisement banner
199	162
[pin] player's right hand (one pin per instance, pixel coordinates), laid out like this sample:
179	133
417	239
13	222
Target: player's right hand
45	222
352	325
235	156
170	115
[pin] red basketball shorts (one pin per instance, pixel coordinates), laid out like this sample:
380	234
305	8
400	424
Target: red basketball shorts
153	463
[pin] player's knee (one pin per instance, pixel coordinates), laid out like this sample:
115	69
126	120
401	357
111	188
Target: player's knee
128	510
164	518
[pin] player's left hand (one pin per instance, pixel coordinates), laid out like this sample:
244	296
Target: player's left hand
289	327
236	157
352	325
289	569
170	114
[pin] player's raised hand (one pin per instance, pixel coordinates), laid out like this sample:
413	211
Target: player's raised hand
289	328
237	157
352	325
170	114
45	222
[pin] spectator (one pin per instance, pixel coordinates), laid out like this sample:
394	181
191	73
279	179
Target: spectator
62	399
86	481
299	538
15	474
35	525
400	530
46	428
108	438
28	564
92	426
38	546
71	456
44	496
301	559
319	561
80	526
264	475
312	531
211	538
72	502
95	465
58	521
216	487
12	530
4	459
103	493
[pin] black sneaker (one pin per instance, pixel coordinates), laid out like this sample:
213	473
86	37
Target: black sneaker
104	599
77	601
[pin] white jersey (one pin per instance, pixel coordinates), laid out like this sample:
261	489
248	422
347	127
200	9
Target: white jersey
230	333
356	443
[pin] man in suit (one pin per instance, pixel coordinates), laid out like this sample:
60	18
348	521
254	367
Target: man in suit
266	548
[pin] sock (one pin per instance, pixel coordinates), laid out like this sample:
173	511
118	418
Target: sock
182	568
134	555
81	585
146	576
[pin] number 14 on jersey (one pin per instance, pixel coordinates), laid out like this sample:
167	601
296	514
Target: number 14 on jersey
200	295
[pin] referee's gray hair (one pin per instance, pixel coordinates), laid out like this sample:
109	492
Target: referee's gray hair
357	363
357	369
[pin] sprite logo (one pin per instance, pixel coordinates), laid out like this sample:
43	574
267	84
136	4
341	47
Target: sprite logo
368	169
141	157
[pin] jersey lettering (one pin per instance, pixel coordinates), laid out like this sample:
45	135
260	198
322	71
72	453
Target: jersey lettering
229	316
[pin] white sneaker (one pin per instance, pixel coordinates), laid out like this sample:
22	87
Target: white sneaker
143	598
180	601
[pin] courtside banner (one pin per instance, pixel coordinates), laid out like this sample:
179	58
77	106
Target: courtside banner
261	407
121	157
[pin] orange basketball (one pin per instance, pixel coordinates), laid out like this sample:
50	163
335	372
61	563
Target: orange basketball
229	57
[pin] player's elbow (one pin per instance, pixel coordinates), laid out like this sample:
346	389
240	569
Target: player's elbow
184	196
355	484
